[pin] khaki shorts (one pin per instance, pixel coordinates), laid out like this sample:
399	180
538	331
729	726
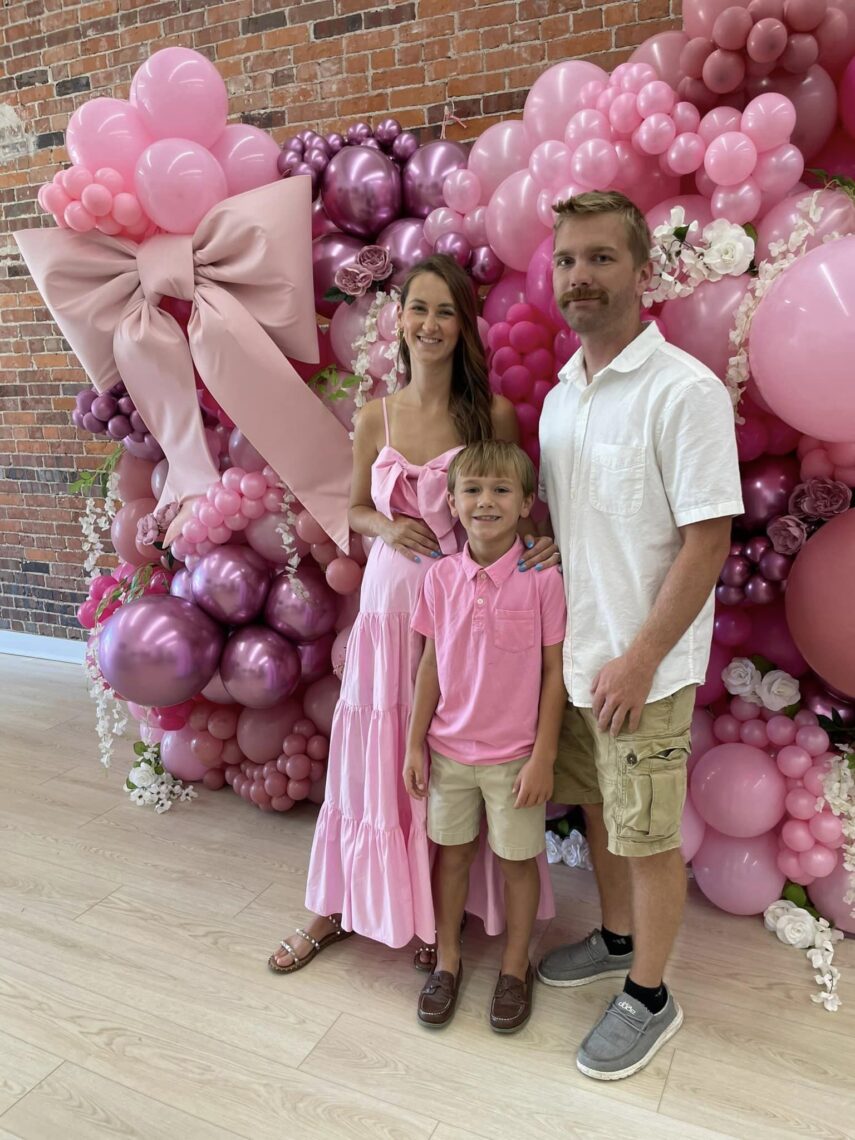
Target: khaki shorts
639	777
457	796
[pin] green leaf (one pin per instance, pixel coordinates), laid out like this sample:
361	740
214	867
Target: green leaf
680	233
835	181
761	663
750	230
794	894
139	748
86	481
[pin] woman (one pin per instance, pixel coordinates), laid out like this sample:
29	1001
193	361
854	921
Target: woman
369	871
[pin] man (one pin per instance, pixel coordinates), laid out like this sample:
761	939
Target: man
640	473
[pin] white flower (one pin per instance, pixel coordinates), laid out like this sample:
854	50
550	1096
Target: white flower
741	678
730	249
796	928
778	690
142	776
831	1001
775	910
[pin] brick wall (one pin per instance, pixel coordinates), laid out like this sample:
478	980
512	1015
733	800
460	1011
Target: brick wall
320	63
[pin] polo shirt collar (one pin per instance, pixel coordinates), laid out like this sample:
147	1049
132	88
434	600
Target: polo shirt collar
498	572
637	352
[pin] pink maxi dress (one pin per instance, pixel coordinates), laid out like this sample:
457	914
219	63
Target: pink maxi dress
371	857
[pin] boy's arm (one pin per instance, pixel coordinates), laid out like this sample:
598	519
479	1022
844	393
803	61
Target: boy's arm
534	783
425	699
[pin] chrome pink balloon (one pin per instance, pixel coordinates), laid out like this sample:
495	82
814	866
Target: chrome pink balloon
329	254
259	668
405	242
424	174
159	650
361	191
303	607
230	583
315	658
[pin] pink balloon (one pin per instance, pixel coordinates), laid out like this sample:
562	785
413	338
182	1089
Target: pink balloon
586	124
177	756
739	204
509	291
815	99
818	288
595	163
692	830
740	876
686	153
837	216
320	700
554	97
177	183
818	602
828	895
513	226
462	190
792	761
730	158
778	170
500	151
343	575
550	164
701	322
769	120
346	327
107	133
123	533
260	732
695	206
738	790
801	804
178	93
719	121
723	71
247	156
662	52
134	478
818	862
655	134
826	828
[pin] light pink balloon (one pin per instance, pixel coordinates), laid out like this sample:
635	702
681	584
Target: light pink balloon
738	790
655	134
586	124
247	156
595	163
701	322
819	861
499	152
462	190
768	120
550	164
177	755
513	226
739	203
692	830
828	895
740	876
107	132
180	94
778	170
346	327
554	97
730	158
837	216
814	97
624	115
177	183
442	220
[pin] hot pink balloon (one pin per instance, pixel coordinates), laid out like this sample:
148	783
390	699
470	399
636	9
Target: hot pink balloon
740	876
505	293
247	156
738	790
554	97
180	94
177	183
107	133
819	289
500	151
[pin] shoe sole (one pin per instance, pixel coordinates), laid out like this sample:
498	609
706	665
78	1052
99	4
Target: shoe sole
630	1070
616	973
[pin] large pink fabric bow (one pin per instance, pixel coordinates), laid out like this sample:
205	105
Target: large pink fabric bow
248	271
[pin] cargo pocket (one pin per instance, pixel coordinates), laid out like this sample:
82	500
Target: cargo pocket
654	782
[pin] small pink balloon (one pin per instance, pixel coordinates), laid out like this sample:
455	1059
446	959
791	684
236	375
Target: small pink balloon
214	779
801	804
730	158
309	530
754	732
768	120
206	748
813	739
344	575
797	835
318	747
788	863
298	767
726	729
739	204
247	156
818	861
826	828
792	760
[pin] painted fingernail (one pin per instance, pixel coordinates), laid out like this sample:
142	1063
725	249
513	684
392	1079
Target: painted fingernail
435	554
523	569
529	542
538	567
416	558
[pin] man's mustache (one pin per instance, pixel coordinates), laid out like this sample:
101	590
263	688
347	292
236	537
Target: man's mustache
578	295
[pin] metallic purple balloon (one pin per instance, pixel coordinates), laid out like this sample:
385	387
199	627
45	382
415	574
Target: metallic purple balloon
230	583
304	610
259	668
361	191
404	146
358	132
288	161
819	700
386	131
243	454
425	173
766	487
316	658
774	566
756	547
730	595
456	246
159	650
329	254
373	144
736	571
181	587
760	592
485	266
335	141
405	242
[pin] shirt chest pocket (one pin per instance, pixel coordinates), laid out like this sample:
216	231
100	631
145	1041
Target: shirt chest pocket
617	478
513	630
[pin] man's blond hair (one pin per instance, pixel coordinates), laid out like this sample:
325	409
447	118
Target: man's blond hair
596	202
493	459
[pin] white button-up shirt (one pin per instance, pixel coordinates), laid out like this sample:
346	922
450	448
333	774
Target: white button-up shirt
647	447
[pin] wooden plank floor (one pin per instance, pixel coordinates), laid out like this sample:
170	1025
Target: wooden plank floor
135	1000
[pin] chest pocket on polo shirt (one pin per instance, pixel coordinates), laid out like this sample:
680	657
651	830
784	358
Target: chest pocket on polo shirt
513	630
617	478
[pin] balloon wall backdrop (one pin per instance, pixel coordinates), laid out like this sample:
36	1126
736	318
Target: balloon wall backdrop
228	650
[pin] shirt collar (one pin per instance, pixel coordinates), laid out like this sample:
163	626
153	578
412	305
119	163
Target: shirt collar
637	352
498	572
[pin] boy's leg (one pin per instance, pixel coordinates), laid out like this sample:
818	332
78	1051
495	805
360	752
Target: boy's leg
450	888
522	897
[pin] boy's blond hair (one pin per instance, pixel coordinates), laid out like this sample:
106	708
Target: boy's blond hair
493	458
595	202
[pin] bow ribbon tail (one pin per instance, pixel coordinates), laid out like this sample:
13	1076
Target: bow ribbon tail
285	422
154	361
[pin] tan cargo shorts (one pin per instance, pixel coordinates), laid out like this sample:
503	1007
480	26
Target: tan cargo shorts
638	777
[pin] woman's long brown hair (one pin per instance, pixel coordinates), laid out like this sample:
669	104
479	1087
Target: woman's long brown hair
471	399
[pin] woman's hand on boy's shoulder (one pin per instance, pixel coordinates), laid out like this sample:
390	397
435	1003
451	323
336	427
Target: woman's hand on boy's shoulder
539	554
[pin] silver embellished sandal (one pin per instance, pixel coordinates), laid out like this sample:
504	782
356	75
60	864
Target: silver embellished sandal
336	935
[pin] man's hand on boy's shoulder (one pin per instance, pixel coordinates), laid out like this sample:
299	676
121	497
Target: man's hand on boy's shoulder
533	785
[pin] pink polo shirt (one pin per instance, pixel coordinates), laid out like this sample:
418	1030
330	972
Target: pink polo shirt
489	624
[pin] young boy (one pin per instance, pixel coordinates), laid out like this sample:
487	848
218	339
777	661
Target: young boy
489	698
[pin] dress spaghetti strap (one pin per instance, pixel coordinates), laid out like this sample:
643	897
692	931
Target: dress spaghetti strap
386	422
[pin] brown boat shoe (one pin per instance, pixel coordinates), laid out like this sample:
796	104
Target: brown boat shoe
510	1008
438	999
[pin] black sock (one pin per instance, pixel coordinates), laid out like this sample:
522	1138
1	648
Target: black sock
616	943
654	998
